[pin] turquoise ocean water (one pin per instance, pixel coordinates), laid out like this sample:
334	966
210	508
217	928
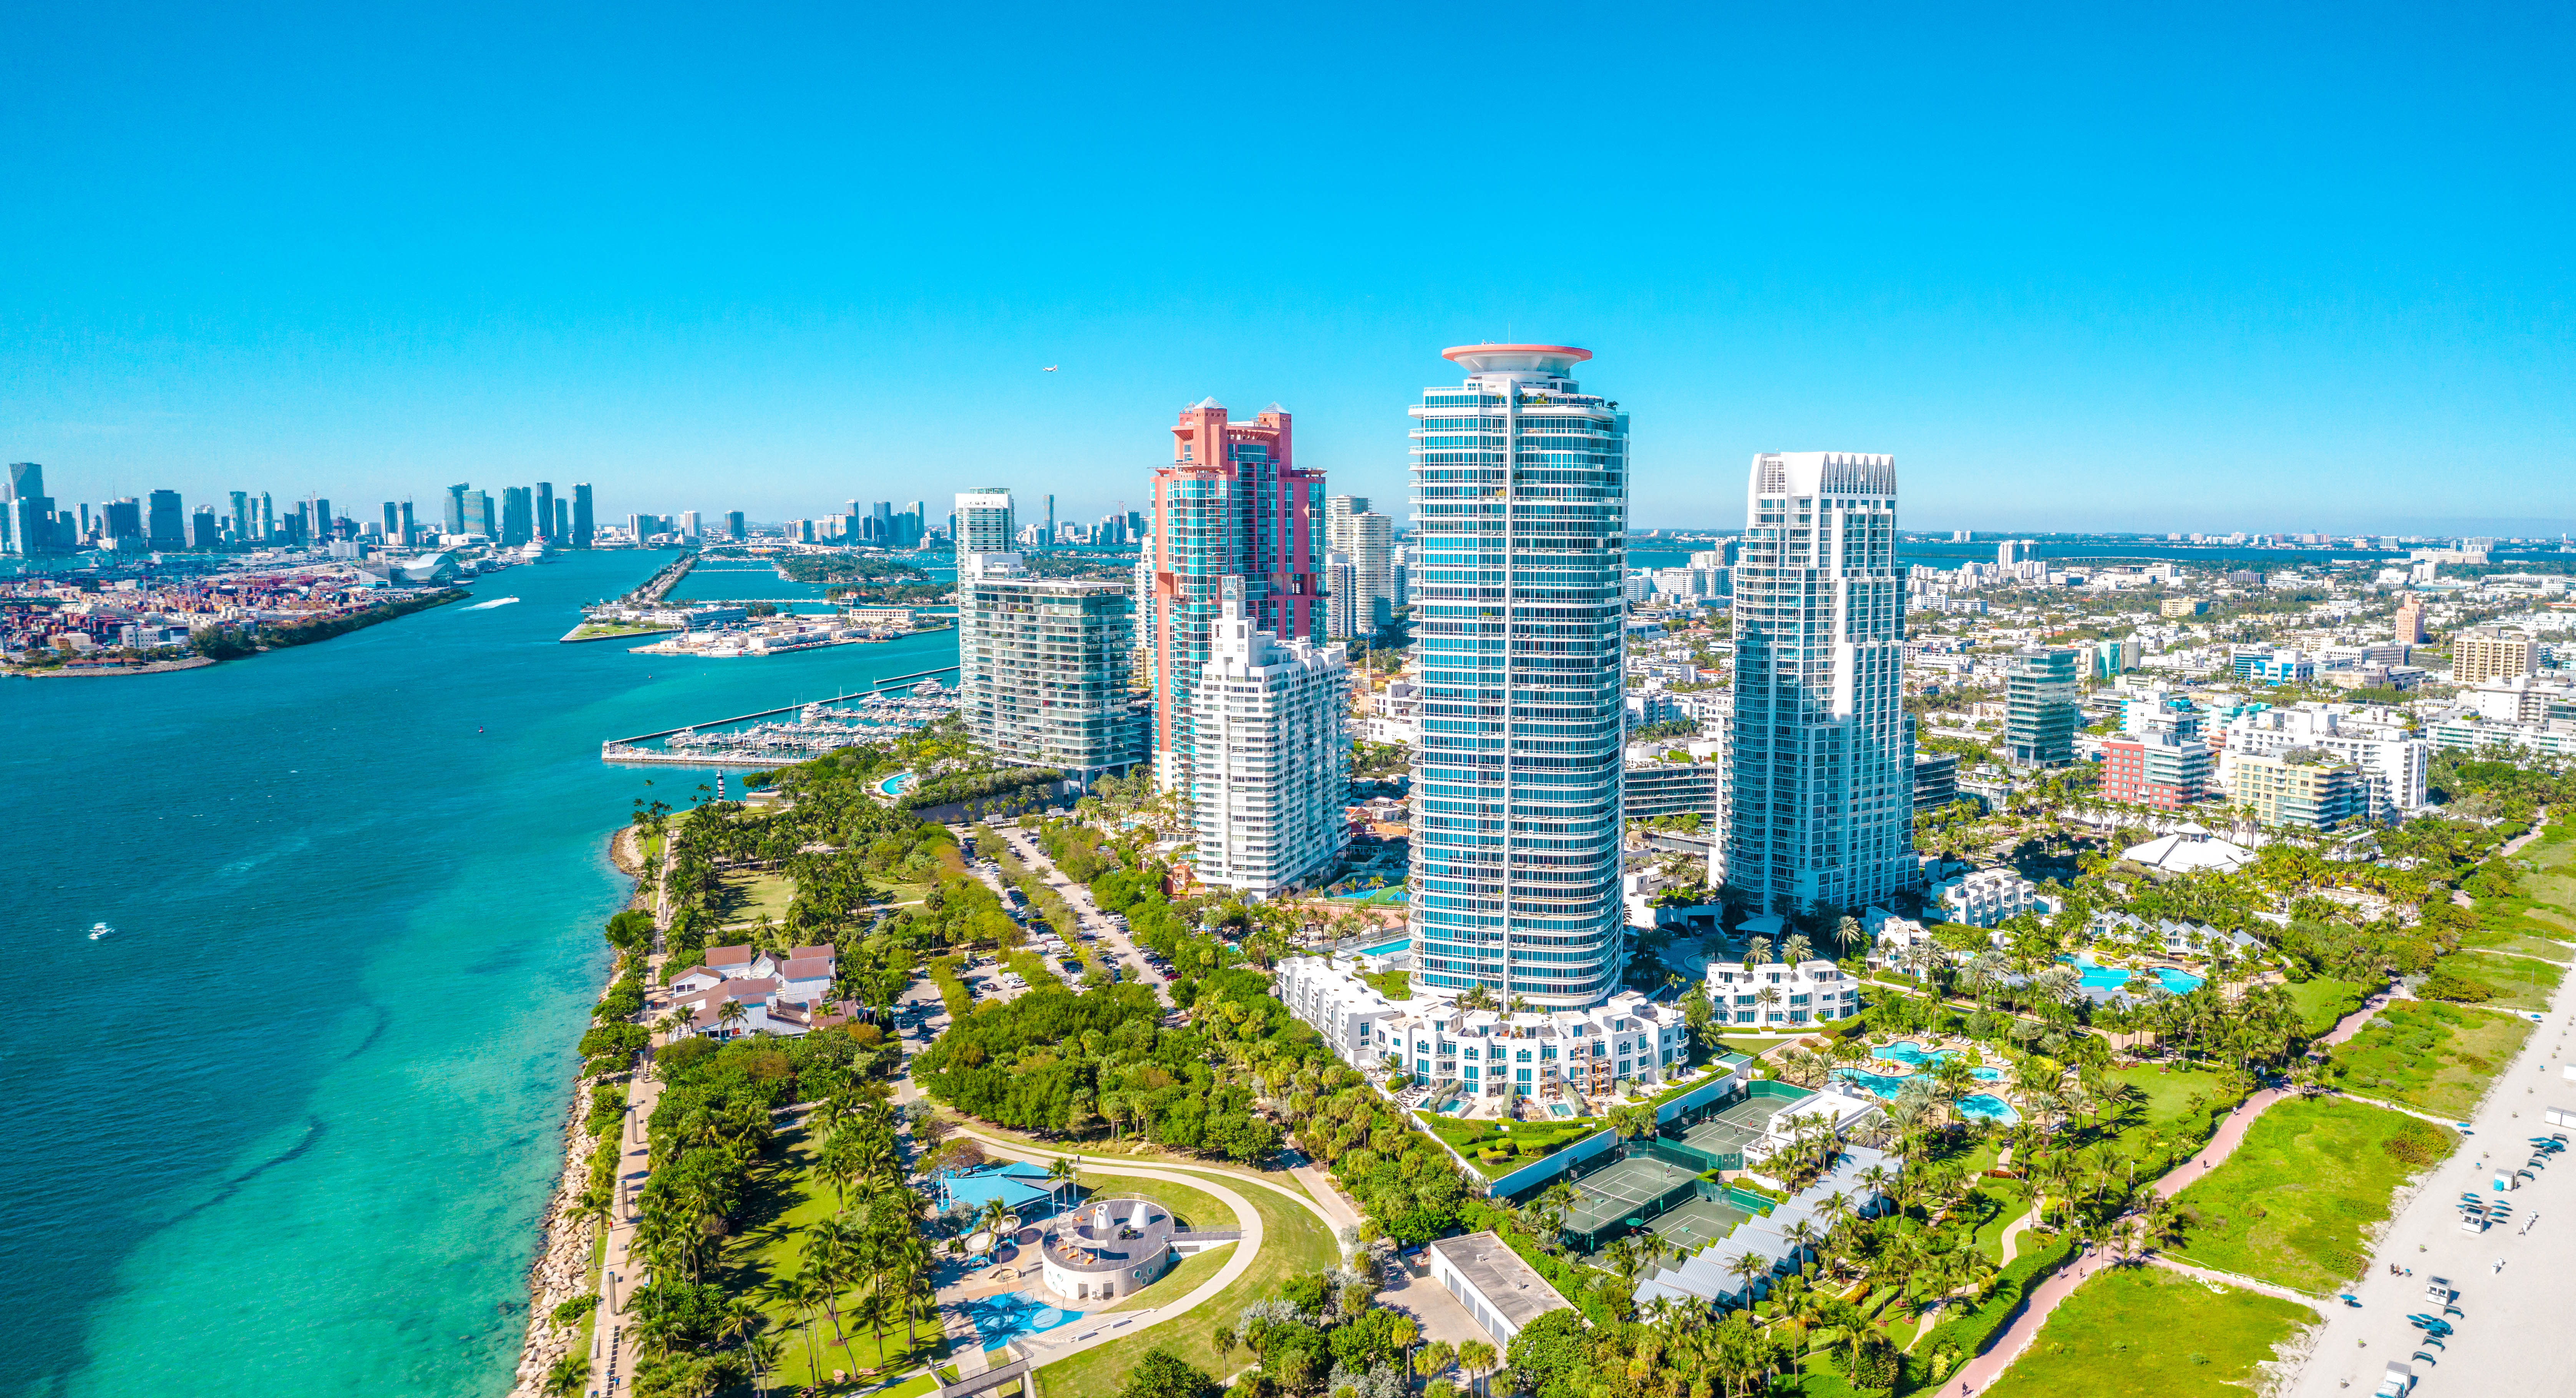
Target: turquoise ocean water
289	1130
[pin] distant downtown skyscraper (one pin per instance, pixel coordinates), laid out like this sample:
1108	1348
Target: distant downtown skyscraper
1230	503
1822	771
1518	554
583	527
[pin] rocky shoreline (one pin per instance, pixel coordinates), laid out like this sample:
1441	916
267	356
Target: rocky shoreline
561	1270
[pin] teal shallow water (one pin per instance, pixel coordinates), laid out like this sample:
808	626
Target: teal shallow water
290	1129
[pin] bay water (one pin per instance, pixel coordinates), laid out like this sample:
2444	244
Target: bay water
289	1129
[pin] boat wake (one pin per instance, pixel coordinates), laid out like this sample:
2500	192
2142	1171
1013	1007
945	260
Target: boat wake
495	602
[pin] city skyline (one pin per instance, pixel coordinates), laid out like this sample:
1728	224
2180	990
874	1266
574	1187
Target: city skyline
2036	303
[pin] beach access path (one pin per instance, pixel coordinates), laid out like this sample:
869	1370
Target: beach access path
1989	1366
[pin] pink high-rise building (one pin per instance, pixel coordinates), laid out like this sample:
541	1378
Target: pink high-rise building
1231	503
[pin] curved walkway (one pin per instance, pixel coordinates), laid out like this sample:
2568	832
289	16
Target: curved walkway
1990	1365
1189	1174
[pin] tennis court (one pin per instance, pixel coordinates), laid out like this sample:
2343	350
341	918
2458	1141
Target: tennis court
1695	1223
1637	1187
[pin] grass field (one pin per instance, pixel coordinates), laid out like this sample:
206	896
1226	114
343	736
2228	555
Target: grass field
2291	1204
2147	1333
2322	1002
745	898
1180	1281
2428	1054
2519	982
2162	1124
795	1199
1293	1241
1191	1207
2492	939
2011	1199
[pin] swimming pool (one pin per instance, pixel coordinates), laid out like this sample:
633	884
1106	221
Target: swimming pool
2117	977
1399	944
894	785
1887	1085
1911	1054
1985	1106
1013	1314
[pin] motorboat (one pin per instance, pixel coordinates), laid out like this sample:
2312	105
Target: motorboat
98	930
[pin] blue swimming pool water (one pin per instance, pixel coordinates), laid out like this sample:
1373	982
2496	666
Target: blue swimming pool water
894	785
1985	1106
1910	1054
1398	944
1013	1314
2116	977
1877	1084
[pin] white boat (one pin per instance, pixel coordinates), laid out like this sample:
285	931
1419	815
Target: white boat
98	930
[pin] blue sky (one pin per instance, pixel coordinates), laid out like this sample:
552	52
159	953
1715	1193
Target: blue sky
2265	267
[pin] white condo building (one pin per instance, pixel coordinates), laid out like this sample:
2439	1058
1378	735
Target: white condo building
1273	760
1044	664
2393	762
1822	766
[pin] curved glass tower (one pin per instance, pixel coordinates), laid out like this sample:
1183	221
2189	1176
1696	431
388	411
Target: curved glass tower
1520	505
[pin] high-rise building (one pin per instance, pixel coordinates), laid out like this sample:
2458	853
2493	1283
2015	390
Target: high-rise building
267	518
1050	525
1230	503
1344	602
410	527
689	526
1042	666
321	518
121	524
1274	764
486	519
205	529
584	529
545	514
243	525
456	508
733	526
1822	759
2160	768
32	527
984	522
1520	485
516	525
2008	553
916	523
169	525
2483	653
2041	712
1367	539
394	531
2410	621
563	519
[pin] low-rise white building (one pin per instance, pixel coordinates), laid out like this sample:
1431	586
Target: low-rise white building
1624	1041
1500	1291
1811	992
1989	896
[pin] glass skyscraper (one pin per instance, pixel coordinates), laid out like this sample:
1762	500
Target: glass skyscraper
1822	761
1520	503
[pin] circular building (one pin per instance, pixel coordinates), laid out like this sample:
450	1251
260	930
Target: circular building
1106	1248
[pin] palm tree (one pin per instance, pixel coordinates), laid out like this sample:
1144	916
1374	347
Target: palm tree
1060	1173
1748	1267
792	1292
764	1351
732	1016
1476	1357
991	1218
569	1375
1796	948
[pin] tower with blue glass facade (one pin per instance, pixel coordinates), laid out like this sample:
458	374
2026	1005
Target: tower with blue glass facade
1520	502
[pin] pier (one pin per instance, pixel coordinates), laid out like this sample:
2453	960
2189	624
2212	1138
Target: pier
788	744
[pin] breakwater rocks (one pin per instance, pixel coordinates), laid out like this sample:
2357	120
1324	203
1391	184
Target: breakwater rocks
562	1269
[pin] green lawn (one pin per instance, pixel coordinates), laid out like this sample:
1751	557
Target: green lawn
1181	1280
2519	983
2428	1054
1192	1208
2148	1333
2496	939
746	897
1524	1142
2161	1124
796	1199
1293	1241
2291	1205
2322	1002
2011	1199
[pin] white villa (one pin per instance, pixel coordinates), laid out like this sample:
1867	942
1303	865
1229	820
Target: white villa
779	995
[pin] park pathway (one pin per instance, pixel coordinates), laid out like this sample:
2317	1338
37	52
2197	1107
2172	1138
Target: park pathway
1990	1365
614	1353
2240	1282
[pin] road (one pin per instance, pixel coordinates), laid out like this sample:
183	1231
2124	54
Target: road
2514	1279
1131	963
613	1351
